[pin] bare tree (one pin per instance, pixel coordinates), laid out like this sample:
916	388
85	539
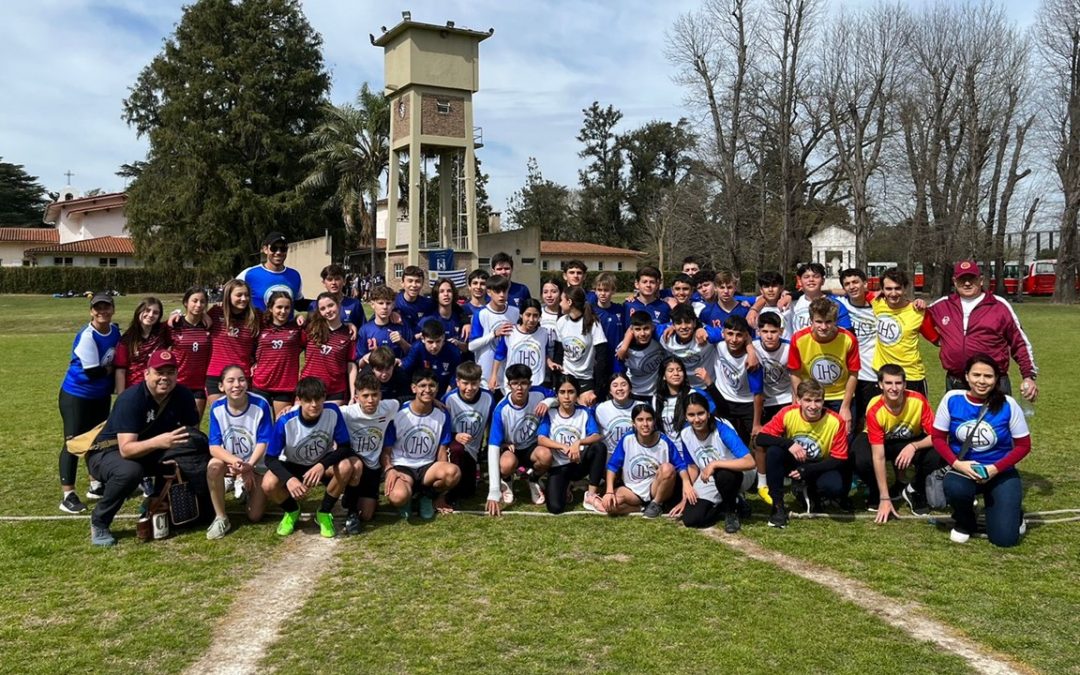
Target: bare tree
1058	35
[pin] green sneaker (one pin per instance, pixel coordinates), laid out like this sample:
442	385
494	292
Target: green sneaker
326	524
427	508
288	523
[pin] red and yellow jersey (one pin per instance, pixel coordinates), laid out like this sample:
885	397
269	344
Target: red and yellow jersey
898	333
826	437
915	419
830	363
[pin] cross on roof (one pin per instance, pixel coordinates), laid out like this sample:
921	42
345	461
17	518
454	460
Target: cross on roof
69	175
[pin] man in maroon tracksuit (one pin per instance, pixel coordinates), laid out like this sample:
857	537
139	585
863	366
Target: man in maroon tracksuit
971	321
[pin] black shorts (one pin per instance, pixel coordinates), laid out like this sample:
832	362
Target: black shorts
276	396
769	412
338	396
370	479
416	474
298	471
212	385
524	456
198	393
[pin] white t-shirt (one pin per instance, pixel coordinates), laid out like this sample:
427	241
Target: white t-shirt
614	421
368	432
968	305
775	374
578	346
469	418
723	444
864	326
528	349
693	356
416	438
482	339
638	464
567	429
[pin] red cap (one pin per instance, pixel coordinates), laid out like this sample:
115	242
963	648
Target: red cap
161	359
966	268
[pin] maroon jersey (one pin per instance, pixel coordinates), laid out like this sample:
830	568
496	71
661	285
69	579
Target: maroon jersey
232	346
136	363
192	348
277	358
330	361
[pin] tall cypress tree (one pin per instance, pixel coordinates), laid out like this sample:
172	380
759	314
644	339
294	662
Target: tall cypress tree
22	199
226	107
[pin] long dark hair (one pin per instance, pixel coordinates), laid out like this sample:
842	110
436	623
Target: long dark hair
268	316
996	398
456	310
681	396
577	298
696	398
646	408
317	326
133	336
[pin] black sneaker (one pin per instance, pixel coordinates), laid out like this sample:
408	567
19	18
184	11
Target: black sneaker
779	517
95	491
916	501
72	504
353	524
731	523
653	510
845	504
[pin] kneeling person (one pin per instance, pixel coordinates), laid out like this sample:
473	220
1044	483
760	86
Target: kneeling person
416	458
310	445
367	418
648	463
513	440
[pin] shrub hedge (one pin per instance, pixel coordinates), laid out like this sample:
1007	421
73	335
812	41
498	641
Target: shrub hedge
48	280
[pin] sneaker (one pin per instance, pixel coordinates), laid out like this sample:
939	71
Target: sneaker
653	509
218	528
1023	525
72	504
802	497
897	489
96	491
353	524
288	523
763	492
101	536
845	504
916	501
536	493
405	511
778	517
594	502
147	485
731	523
959	537
506	494
326	524
238	490
427	508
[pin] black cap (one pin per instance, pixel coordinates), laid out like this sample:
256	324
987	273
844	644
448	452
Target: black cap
273	238
102	297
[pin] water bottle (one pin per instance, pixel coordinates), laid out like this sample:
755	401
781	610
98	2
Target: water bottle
1026	406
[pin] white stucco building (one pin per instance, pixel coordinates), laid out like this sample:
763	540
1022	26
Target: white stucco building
90	232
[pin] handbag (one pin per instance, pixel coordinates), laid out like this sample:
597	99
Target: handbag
81	444
935	482
183	503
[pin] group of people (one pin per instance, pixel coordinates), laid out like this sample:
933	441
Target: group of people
682	400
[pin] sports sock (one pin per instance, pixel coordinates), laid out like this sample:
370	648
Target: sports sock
289	505
68	492
761	482
328	502
351	499
532	476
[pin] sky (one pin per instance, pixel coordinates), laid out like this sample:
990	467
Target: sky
68	65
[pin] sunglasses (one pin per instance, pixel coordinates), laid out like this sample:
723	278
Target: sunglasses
279	248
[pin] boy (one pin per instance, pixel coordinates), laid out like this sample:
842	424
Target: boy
393	382
772	352
639	356
352	310
529	344
807	442
273	275
899	324
771	288
812	278
478	297
434	353
610	314
502	264
691	267
470	407
697	356
827	354
647	285
512	441
381	331
415	458
367	419
496	320
737	390
682	291
727	303
898	426
864	326
410	305
310	445
574	273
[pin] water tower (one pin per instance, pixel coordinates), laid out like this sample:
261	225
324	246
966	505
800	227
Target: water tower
431	73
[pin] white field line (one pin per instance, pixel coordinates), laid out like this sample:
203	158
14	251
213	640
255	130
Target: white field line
906	616
263	606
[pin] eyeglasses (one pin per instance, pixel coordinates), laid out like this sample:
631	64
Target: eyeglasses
965	280
279	248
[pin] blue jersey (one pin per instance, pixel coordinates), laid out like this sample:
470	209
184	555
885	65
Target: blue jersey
263	282
444	363
517	294
352	311
91	349
415	311
658	309
992	439
240	433
307	443
714	315
611	321
451	326
371	336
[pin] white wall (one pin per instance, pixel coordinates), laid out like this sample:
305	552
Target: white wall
555	262
11	253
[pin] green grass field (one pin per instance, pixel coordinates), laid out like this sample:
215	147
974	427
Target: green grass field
574	593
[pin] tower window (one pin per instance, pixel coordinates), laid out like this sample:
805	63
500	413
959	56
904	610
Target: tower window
442	106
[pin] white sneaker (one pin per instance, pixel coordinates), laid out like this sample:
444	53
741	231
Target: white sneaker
1023	526
506	494
238	489
594	502
536	493
958	537
218	528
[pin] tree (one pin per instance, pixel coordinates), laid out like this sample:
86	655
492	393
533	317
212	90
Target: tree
22	199
544	204
227	107
602	189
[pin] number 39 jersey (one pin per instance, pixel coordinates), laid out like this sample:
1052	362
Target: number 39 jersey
239	434
306	443
416	438
277	358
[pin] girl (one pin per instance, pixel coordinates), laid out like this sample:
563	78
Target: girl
86	393
570	432
456	321
718	464
581	350
672	391
648	463
990	426
613	415
330	350
277	354
234	329
529	344
144	335
240	428
551	296
191	345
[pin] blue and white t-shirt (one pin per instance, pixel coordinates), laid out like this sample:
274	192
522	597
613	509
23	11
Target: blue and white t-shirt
776	378
527	349
482	337
416	438
300	442
864	326
992	439
263	282
470	418
733	380
368	432
91	349
723	444
693	355
614	421
568	430
639	463
240	433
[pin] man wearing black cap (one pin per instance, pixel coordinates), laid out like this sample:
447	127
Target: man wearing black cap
971	321
145	422
272	275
